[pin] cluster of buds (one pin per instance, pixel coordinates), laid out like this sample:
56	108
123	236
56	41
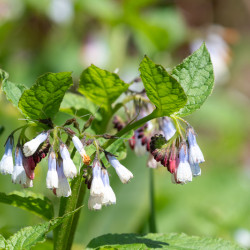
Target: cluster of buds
101	193
167	147
181	157
60	165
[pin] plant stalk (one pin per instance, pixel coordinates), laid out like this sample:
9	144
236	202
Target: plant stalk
152	220
64	235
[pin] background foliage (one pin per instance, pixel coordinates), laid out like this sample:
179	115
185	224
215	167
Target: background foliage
117	34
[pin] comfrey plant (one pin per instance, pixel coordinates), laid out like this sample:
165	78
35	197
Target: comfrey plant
81	150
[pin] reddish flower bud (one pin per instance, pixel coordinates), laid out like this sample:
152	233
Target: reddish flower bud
172	160
132	142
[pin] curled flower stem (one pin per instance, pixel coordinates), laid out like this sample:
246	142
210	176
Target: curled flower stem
181	119
22	127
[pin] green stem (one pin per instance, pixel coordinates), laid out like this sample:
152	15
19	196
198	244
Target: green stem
152	221
64	235
131	126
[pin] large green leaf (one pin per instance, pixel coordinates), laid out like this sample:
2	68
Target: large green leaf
162	89
35	203
30	236
43	99
195	75
101	86
157	241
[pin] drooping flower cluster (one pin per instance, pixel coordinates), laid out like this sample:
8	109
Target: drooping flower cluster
101	193
60	165
167	146
181	157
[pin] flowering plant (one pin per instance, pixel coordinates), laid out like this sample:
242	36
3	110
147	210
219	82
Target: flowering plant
152	121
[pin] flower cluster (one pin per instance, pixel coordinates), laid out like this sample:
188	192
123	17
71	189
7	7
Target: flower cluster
60	164
167	146
101	193
181	157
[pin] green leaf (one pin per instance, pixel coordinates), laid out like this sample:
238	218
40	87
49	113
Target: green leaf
155	241
35	203
2	242
78	105
43	99
13	91
161	88
195	75
101	86
30	236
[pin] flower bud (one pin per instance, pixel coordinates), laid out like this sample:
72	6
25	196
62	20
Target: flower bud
6	164
168	128
124	174
196	170
30	147
69	167
95	202
52	176
183	173
109	195
195	154
63	189
29	167
19	175
172	160
97	187
79	146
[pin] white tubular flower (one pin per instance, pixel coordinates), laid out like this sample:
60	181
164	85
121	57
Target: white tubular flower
196	170
19	175
97	187
109	195
183	173
195	154
79	147
63	184
30	147
168	128
69	167
124	174
95	202
6	164
52	176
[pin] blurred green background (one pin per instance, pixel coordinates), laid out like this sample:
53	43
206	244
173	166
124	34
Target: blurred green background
63	35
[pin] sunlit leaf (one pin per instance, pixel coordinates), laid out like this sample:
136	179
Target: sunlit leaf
30	236
161	88
43	99
195	75
101	86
